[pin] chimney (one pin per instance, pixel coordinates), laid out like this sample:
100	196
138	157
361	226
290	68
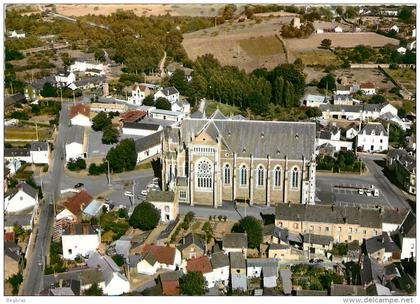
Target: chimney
332	207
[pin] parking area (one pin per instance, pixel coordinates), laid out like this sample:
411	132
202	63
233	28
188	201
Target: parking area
95	147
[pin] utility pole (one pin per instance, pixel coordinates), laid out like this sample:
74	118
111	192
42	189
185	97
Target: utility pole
36	130
109	174
134	183
61	95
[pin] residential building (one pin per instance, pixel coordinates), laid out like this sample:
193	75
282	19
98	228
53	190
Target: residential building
357	112
407	237
317	244
79	240
412	45
23	198
138	93
140	129
241	160
256	266
166	257
25	220
170	283
282	252
403	166
64	78
341	223
88	67
352	130
220	264
201	264
345	100
395	28
373	138
402	50
11	100
343	90
172	67
170	93
312	100
148	146
115	281
332	135
148	264
17	34
80	115
166	115
40	152
338	29
91	82
74	206
192	246
63	288
381	248
235	242
368	88
13	259
166	203
75	143
238	279
109	107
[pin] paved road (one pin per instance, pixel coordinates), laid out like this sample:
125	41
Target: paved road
51	184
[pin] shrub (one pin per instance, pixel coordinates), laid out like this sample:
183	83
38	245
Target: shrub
145	216
118	259
253	228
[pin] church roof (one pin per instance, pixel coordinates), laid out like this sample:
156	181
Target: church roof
259	138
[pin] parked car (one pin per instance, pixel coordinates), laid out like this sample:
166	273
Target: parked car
144	192
78	185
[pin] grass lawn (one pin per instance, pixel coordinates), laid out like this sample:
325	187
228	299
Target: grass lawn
226	109
406	77
318	58
261	46
25	133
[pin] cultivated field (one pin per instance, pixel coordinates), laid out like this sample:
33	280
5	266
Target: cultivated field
25	134
318	57
345	40
406	77
247	45
205	10
365	75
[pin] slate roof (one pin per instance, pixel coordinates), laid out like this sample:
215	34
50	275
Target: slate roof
166	112
168	230
278	247
160	196
404	158
377	243
16	152
192	238
78	202
347	290
163	254
133	260
374	126
29	190
86	276
79	229
39	83
218	115
268	137
237	260
370	271
148	142
89	80
261	262
106	264
169	276
235	240
141	126
317	239
365	217
169	91
12	251
219	260
311	293
79	109
39	146
150	258
408	227
269	271
75	134
201	264
13	99
394	216
19	219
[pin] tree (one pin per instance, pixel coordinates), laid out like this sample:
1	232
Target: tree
110	135
100	121
94	290
118	259
48	90
95	169
405	14
278	88
76	165
122	157
15	280
313	112
326	43
327	82
192	284
377	99
35	109
148	101
253	229
163	104
145	216
178	81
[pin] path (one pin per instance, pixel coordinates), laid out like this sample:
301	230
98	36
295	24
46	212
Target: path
162	65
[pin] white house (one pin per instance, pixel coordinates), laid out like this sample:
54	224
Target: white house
342	100
338	29
413	33
138	94
115	282
13	166
75	143
373	138
92	68
332	136
166	115
312	100
408	237
356	112
220	264
402	50
140	129
411	45
65	78
368	88
40	152
170	93
17	34
148	146
148	264
317	244
201	264
20	199
255	266
342	90
351	132
79	240
80	115
395	28
180	106
165	202
17	154
166	258
319	31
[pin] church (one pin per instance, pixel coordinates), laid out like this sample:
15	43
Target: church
221	160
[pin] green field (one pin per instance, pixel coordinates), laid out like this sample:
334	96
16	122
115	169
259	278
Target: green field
226	109
318	58
261	46
406	77
25	134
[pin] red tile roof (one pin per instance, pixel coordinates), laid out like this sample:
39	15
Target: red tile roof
79	108
163	254
201	264
9	236
76	203
170	288
132	116
367	85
